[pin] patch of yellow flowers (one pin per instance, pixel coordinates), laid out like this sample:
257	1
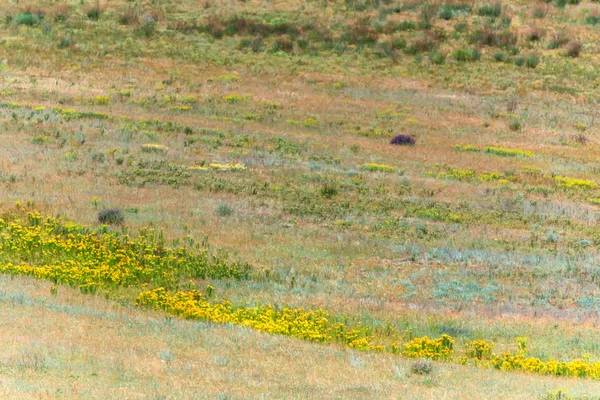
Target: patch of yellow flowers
229	167
311	325
441	348
378	167
48	248
500	151
63	252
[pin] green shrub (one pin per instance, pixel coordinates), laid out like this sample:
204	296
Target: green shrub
493	10
328	190
532	61
446	12
437	58
27	18
64	42
519	61
94	12
223	210
500	56
515	125
463	55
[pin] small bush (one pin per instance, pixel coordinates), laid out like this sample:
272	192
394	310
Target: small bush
534	34
446	13
422	367
437	58
64	42
27	18
111	216
147	25
490	10
532	61
557	40
328	190
94	12
403	140
500	56
573	49
463	55
519	61
128	17
515	125
223	210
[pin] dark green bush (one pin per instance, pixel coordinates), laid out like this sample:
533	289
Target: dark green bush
463	55
500	56
493	10
532	61
27	18
94	12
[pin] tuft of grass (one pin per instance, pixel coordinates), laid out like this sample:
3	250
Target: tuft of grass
223	210
111	216
422	367
94	12
493	10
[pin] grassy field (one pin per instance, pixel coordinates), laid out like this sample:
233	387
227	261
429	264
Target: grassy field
252	140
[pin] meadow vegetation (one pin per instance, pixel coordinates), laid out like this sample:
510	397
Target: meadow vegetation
400	183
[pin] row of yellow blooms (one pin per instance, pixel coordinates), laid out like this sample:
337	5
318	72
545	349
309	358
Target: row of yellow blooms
48	248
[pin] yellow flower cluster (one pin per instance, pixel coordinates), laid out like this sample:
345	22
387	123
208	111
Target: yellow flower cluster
48	248
219	167
101	100
466	147
66	253
378	167
154	148
526	174
308	122
424	347
233	98
582	368
574	183
314	326
458	174
500	151
437	215
479	349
